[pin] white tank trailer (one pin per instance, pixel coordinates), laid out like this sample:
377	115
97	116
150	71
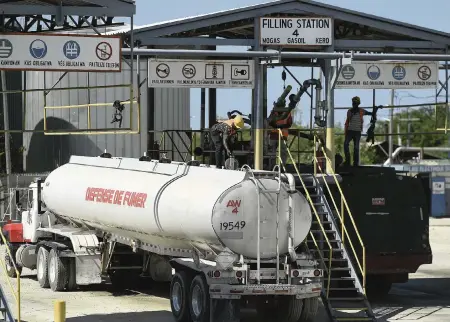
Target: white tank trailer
217	235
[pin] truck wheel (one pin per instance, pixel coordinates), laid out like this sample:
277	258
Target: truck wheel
58	270
310	308
42	267
10	266
199	300
179	297
72	279
282	308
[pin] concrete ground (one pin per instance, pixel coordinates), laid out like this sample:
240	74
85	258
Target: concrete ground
426	297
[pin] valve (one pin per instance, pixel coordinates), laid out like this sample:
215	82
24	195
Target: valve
118	110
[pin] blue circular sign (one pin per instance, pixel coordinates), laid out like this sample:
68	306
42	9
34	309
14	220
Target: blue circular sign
38	49
399	72
373	72
71	49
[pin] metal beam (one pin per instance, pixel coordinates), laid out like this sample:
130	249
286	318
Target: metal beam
114	9
303	7
276	54
199	41
379	23
170	28
347	44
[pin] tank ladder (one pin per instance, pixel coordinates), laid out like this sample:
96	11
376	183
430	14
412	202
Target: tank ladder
346	292
260	190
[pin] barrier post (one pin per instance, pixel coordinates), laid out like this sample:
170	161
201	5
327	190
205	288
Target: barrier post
60	311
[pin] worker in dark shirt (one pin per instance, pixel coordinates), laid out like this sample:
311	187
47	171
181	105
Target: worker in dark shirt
220	133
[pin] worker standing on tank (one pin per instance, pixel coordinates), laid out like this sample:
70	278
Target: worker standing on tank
353	128
220	133
277	120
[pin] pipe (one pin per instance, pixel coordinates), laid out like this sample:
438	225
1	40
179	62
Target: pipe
415	149
276	54
397	106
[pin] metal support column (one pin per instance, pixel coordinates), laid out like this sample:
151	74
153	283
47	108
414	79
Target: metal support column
391	127
265	112
212	106
258	99
202	113
7	137
212	97
329	90
447	107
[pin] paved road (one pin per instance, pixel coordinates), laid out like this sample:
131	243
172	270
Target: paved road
426	297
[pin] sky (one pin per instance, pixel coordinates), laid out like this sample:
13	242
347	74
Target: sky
431	15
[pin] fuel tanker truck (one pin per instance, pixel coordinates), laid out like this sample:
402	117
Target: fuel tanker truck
223	238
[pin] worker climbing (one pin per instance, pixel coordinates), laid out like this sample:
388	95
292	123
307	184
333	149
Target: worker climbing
353	128
281	118
220	134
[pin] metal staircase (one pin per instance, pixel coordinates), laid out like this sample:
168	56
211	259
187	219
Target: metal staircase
344	298
343	294
5	310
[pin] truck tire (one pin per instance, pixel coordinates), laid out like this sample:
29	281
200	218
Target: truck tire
309	311
58	271
42	267
281	308
72	279
179	297
199	300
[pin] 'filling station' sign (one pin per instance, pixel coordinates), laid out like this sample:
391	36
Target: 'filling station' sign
301	31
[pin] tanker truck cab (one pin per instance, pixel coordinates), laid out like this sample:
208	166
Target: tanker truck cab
22	236
34	215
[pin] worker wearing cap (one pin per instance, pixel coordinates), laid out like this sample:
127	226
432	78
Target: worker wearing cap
284	125
220	133
353	128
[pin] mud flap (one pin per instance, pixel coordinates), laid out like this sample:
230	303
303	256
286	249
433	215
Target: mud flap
224	310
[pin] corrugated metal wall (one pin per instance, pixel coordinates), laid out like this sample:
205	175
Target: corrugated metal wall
44	153
175	118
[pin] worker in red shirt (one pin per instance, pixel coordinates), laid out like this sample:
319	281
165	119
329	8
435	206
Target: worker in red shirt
353	128
276	121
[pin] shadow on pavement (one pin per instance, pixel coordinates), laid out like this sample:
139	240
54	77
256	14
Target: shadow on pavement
417	299
157	316
155	289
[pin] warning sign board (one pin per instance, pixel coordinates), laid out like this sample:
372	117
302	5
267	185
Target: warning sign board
62	52
389	75
201	73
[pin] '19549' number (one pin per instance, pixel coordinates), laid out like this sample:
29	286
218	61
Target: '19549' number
238	225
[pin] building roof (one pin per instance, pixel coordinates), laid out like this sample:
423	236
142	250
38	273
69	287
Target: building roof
111	8
238	23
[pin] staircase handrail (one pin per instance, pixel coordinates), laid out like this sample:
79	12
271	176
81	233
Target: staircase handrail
308	197
341	216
